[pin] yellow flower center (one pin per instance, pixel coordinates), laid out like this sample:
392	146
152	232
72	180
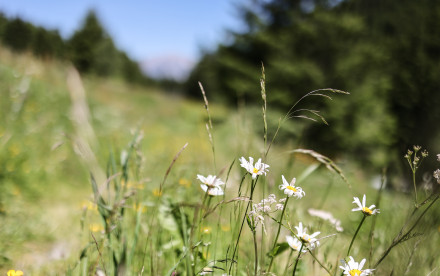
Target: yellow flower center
355	272
255	170
367	211
305	238
292	188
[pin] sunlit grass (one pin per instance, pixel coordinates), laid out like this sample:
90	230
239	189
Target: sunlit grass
149	215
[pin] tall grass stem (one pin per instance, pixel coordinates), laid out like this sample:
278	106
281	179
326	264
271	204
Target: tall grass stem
400	237
209	127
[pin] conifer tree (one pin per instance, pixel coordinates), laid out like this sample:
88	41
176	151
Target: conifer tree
85	43
17	35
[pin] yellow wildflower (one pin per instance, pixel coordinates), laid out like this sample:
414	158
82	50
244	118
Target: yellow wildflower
15	273
91	206
206	230
184	182
139	207
157	192
96	227
225	228
14	150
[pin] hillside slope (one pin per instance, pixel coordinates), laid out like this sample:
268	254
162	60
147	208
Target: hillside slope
44	173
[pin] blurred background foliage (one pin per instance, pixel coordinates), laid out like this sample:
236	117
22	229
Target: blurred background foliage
90	48
385	53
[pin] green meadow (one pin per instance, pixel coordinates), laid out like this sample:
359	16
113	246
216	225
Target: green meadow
100	177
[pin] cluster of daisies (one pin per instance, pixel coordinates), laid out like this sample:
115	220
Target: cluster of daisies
302	241
212	184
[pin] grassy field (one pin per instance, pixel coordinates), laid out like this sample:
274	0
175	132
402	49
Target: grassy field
146	213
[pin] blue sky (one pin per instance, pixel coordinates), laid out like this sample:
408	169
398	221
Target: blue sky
145	29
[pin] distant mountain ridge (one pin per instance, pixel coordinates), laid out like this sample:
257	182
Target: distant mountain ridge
172	67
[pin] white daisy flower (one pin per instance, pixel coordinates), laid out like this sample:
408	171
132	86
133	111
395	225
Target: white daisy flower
308	240
211	185
258	169
368	211
294	243
437	175
353	268
290	189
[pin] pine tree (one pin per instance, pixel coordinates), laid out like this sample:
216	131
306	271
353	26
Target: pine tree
17	35
47	44
85	43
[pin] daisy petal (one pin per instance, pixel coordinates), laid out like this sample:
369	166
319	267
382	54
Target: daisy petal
361	264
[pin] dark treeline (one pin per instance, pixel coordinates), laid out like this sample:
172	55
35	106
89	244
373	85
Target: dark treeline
90	48
386	53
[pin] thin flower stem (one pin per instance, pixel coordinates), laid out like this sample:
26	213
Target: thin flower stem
254	233
207	207
253	184
277	235
415	187
262	242
297	259
197	227
355	234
